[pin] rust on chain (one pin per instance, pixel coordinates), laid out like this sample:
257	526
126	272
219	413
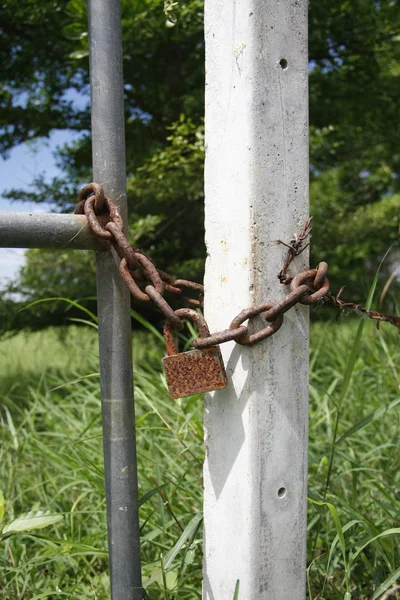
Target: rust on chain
93	219
195	371
150	271
227	335
166	277
176	286
179	284
309	277
114	213
240	333
287	302
191	285
191	315
322	270
170	288
186	300
122	246
337	302
193	302
309	287
86	191
131	283
249	313
164	307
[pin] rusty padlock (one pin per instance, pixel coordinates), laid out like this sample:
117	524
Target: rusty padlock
194	371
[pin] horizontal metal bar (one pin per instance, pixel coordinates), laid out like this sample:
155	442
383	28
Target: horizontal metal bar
47	230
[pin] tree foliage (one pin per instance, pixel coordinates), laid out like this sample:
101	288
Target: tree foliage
354	129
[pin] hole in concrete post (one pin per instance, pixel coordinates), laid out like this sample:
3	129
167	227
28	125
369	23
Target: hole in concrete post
283	64
281	492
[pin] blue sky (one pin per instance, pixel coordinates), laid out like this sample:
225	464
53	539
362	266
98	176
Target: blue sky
18	171
26	162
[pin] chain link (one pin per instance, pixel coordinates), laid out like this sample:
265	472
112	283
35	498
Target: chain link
309	287
315	282
86	191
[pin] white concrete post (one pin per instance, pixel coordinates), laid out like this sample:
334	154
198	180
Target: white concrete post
256	192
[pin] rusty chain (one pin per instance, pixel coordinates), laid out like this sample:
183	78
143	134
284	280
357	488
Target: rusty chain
309	287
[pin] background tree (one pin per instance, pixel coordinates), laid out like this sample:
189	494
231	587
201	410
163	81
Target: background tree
354	86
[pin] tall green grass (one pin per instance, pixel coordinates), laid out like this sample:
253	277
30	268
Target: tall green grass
51	460
353	462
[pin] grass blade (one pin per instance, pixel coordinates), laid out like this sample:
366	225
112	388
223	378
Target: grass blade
355	348
138	317
31	521
394	531
186	534
367	420
2	509
67	300
236	594
386	584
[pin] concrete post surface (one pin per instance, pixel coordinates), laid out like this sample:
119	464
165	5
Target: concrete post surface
256	187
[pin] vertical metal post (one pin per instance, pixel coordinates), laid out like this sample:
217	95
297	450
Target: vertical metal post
108	147
256	192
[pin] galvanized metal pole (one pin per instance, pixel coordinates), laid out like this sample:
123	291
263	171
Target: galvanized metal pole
47	230
256	192
108	144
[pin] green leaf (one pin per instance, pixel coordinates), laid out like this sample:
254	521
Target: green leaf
79	54
367	420
355	348
11	427
151	493
31	521
84	321
67	300
189	531
73	381
2	508
50	594
386	584
336	539
338	525
394	531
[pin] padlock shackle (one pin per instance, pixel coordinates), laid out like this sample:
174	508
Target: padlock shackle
190	315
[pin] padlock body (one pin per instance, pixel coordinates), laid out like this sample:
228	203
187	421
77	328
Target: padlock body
195	371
